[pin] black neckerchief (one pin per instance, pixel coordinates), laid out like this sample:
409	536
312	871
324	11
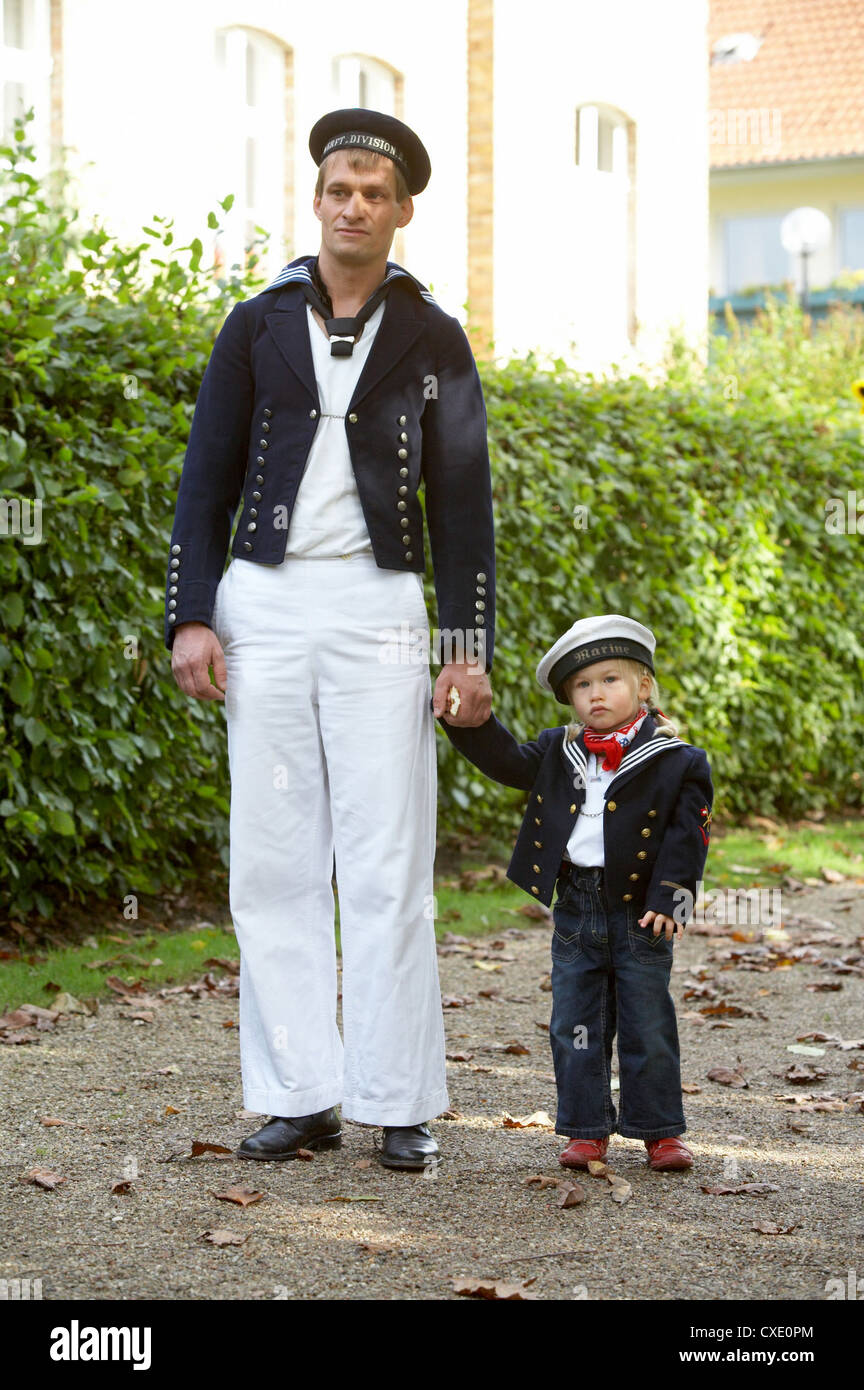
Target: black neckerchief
343	333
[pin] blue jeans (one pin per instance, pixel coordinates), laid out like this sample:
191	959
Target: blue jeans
609	973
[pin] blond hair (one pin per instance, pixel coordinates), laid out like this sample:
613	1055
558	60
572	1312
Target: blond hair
637	669
363	161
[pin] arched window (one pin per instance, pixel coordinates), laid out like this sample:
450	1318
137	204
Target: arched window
250	118
604	153
362	81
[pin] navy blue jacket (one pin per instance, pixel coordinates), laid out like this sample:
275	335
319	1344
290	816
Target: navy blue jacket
656	821
417	415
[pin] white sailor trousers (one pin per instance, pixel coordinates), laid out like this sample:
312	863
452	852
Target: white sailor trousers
331	746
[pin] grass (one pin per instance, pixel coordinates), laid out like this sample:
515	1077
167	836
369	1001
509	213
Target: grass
737	858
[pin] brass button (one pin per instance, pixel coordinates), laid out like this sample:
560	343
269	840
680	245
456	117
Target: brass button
401	506
402	490
479	620
643	854
536	868
403	439
173	589
313	414
479	604
262	444
259	478
267	413
611	805
253	526
175	550
481	578
572	807
652	813
406	540
265	427
172	603
633	878
403	419
537	820
628	897
256	496
247	545
646	832
539	797
253	511
408	555
172	617
403	521
535	889
402	453
538	844
352	418
403	472
260	462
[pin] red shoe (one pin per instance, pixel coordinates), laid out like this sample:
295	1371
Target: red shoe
580	1152
668	1153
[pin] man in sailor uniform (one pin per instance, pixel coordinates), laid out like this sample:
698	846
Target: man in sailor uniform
625	848
328	400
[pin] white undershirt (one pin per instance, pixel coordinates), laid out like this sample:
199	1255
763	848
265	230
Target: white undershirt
327	518
585	845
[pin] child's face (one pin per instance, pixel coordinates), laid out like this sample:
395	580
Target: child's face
606	695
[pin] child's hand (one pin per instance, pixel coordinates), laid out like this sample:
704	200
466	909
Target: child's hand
672	927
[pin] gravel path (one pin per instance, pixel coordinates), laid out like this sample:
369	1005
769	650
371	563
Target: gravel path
135	1093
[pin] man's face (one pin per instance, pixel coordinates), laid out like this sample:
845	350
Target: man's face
358	210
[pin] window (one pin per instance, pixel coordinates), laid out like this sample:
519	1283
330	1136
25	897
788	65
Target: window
754	254
601	228
852	239
250	69
362	81
25	64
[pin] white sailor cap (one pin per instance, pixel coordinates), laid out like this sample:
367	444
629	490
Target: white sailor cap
590	640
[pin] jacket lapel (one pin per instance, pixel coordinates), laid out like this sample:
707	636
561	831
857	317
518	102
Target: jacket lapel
289	331
397	332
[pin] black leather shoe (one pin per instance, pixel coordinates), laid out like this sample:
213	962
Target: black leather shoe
282	1137
409	1146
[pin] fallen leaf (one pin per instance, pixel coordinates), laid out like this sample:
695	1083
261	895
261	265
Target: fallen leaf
690	1088
122	1187
596	1168
199	1148
620	1190
571	1194
242	1196
756	1189
770	1228
727	1077
800	1073
455	1001
352	1199
224	1237
306	1155
541	1182
538	1118
41	1177
493	1289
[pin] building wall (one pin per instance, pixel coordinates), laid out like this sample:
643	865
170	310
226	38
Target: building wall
554	275
829	185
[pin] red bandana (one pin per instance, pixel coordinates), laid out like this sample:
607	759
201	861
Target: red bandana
615	743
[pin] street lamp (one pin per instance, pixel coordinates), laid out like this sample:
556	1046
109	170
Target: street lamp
803	231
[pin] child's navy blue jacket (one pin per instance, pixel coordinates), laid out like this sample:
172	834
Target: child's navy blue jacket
655	823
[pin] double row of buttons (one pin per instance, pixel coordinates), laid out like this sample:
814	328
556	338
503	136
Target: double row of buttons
259	477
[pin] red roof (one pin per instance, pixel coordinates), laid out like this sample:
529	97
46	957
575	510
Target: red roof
801	96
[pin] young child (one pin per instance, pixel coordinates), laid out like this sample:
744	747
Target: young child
618	819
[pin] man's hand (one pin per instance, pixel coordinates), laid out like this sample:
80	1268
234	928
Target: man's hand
660	922
195	648
475	694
